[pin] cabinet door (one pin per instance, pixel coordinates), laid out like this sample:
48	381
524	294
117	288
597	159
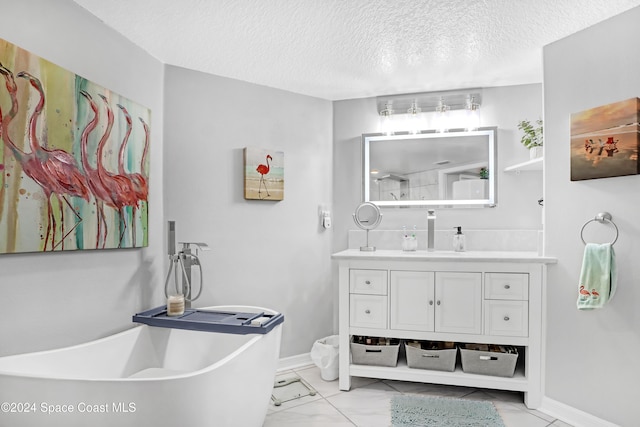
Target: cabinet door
412	302
458	302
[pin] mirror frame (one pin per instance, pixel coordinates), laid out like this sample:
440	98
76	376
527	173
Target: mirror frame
359	220
490	132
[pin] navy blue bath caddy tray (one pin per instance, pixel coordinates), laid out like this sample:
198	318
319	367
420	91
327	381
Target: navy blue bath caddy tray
227	322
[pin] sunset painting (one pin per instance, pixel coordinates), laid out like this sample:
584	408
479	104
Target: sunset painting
604	141
74	170
263	174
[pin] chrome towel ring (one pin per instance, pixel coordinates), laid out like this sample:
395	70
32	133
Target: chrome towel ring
602	217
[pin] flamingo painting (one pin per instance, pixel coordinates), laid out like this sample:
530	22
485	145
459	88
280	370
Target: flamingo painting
70	179
55	171
264	174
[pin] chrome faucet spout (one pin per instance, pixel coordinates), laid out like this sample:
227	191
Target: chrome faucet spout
188	260
431	222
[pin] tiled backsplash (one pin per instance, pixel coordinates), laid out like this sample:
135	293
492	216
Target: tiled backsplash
476	240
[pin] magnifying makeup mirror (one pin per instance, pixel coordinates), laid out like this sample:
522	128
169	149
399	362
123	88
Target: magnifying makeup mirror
367	216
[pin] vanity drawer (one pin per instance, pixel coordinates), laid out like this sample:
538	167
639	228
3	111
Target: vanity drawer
372	282
368	311
506	286
506	318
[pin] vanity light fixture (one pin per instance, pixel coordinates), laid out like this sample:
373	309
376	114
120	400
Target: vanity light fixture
442	111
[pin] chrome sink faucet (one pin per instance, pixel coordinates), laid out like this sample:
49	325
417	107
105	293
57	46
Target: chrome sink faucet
431	222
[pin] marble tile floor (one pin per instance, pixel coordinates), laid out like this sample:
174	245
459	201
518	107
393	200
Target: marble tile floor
367	404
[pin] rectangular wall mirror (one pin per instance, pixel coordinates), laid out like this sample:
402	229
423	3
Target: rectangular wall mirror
449	169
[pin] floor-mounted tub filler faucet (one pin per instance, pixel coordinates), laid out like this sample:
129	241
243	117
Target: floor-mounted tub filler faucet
431	223
182	262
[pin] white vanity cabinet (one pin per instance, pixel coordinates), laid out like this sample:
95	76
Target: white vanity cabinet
481	297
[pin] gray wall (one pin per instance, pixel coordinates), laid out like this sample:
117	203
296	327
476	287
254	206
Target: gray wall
592	356
54	300
517	206
265	253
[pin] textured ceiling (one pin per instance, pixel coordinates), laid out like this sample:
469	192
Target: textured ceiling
341	49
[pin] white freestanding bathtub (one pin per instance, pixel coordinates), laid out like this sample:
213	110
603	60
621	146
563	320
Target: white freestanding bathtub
145	377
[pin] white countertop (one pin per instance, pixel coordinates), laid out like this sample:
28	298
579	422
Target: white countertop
491	256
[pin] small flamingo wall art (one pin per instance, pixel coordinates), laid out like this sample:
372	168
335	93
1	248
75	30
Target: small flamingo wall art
74	170
263	174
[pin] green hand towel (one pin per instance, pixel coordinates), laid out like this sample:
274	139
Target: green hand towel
598	276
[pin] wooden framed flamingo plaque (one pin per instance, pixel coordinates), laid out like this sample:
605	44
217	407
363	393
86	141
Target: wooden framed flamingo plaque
73	163
263	174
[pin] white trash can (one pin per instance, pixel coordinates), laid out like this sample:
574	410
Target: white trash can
324	354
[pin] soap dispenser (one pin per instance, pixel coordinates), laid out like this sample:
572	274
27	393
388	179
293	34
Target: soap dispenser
459	242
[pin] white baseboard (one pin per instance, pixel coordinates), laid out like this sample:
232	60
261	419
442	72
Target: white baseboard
294	362
571	415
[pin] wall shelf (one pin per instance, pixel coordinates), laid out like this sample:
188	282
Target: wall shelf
529	165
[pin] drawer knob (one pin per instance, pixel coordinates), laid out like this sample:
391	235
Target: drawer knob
438	302
430	302
507	286
367	282
506	318
367	311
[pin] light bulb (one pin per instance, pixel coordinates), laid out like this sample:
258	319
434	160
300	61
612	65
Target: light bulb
473	115
442	119
413	118
473	119
386	124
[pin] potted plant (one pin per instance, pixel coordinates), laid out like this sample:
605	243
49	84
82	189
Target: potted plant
532	138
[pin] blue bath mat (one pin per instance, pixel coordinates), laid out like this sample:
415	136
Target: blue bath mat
414	411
